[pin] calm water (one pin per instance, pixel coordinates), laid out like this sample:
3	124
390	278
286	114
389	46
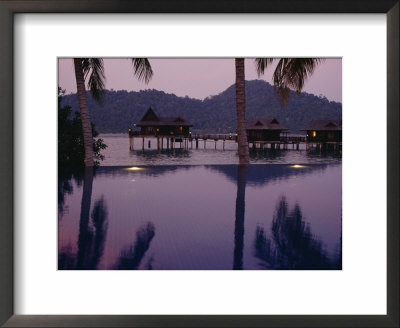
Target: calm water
223	217
118	153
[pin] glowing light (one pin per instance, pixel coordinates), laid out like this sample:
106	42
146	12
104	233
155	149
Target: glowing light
314	133
134	168
297	166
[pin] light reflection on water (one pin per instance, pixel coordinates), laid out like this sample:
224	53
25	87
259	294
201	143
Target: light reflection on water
201	217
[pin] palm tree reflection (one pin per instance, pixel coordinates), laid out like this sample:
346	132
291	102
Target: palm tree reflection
239	220
292	246
65	187
92	236
132	256
92	233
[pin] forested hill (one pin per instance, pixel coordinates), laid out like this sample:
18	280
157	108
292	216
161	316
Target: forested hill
121	109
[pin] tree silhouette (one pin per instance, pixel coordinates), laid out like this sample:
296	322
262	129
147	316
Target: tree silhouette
92	232
292	246
239	219
132	256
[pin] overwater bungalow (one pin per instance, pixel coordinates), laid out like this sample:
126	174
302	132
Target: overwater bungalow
264	130
152	125
324	133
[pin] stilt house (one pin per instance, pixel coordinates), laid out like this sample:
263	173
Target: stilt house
264	129
152	125
324	131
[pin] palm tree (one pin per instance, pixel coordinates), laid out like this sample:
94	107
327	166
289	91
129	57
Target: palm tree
243	147
289	73
93	70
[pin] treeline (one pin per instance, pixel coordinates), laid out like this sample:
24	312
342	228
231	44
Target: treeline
215	114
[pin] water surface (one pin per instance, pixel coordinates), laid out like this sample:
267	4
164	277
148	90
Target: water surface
207	217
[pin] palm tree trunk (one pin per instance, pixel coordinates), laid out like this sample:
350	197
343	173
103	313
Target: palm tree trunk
84	111
243	147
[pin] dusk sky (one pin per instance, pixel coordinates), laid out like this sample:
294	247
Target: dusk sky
200	78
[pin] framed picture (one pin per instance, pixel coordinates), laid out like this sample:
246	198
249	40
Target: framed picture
54	279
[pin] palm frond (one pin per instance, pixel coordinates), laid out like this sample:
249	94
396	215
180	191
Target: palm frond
297	70
142	69
262	64
290	73
93	70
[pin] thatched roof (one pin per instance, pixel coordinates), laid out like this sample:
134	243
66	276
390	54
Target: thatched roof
324	125
264	124
151	119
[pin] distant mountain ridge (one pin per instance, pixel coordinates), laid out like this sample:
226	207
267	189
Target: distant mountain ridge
215	114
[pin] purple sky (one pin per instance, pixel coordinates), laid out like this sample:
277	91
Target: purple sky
199	78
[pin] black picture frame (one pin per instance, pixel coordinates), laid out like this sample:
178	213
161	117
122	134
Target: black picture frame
10	7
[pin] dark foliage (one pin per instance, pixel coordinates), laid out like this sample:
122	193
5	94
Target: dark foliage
71	152
65	187
132	256
292	246
91	242
215	114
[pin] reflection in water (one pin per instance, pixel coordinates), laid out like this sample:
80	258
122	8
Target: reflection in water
85	233
151	171
131	257
239	220
65	187
262	174
292	246
92	237
192	208
267	156
100	225
92	234
314	156
90	245
150	155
